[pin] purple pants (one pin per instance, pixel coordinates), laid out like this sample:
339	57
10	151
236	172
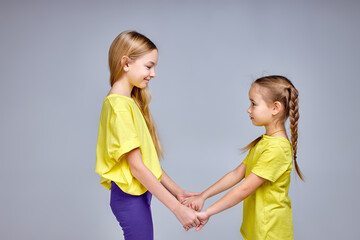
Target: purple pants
133	213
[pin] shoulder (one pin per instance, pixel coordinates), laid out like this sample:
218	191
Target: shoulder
277	146
118	103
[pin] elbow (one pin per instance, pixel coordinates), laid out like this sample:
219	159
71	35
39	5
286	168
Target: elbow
244	191
235	176
135	170
135	163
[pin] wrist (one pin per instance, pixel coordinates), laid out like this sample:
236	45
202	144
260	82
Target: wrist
178	193
206	213
203	196
176	208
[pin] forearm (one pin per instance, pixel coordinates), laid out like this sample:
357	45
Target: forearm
150	182
230	199
170	185
185	215
223	184
236	195
226	182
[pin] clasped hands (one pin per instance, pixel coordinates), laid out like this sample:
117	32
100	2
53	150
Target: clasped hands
194	218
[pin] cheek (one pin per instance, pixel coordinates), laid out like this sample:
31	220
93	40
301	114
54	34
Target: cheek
254	110
144	73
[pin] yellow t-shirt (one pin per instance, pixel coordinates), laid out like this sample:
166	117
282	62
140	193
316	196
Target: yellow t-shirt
267	212
122	128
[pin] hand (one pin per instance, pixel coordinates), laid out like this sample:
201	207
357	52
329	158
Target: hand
187	217
194	202
185	194
204	218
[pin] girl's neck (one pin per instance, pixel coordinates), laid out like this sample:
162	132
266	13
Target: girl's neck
121	87
274	130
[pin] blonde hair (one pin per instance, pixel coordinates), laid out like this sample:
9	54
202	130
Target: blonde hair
133	45
279	88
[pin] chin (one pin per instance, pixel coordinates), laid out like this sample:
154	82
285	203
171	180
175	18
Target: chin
256	124
141	86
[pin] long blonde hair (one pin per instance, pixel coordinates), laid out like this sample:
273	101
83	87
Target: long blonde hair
133	45
279	88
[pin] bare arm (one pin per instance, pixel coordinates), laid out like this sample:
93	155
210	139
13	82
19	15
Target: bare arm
233	197
185	215
174	189
226	182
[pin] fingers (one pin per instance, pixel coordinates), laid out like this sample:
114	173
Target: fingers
197	222
186	201
188	227
199	227
189	218
197	208
194	206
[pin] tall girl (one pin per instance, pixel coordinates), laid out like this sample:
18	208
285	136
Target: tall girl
267	212
128	148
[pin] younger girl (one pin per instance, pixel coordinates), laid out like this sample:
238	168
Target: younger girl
128	147
267	210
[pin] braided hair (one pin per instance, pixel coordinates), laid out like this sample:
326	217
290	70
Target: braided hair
279	88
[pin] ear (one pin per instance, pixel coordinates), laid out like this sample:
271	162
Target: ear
124	61
276	108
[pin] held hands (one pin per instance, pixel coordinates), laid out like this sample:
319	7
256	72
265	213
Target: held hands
194	202
187	217
188	221
204	218
185	194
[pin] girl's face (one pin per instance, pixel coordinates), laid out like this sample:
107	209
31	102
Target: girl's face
259	111
140	71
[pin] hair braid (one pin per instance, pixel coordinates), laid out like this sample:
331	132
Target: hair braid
280	88
294	118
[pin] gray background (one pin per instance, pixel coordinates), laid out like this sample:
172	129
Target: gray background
54	76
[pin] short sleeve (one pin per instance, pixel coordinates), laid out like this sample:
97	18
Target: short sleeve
272	163
246	159
123	136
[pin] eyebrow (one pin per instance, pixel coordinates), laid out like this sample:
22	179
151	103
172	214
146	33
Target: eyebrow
151	62
252	99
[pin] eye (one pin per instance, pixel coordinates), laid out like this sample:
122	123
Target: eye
148	67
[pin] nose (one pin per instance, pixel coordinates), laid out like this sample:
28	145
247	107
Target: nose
248	110
152	74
